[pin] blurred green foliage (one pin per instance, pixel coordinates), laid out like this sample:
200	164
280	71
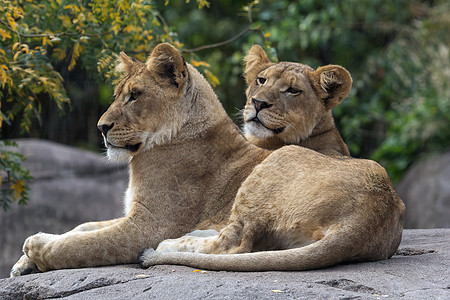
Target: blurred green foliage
397	52
16	176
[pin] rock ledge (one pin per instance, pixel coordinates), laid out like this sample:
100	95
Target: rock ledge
419	270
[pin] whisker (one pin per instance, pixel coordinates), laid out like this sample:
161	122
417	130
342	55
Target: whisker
239	114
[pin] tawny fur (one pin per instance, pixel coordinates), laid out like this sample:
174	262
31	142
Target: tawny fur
306	117
191	168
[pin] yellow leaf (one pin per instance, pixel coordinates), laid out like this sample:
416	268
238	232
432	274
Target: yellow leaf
129	28
16	55
199	63
116	28
4	34
66	22
45	41
267	35
213	80
12	23
202	3
24	48
18	188
14	47
178	44
75	55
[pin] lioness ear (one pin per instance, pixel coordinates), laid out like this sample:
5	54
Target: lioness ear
332	83
168	64
255	62
126	63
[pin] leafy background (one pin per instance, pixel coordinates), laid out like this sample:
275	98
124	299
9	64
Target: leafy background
57	61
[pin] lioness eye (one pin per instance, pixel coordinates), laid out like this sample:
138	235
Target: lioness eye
133	96
260	80
293	91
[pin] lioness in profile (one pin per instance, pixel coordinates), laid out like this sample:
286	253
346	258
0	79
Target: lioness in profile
190	168
187	160
290	104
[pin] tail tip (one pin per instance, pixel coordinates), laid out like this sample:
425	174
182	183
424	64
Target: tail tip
147	258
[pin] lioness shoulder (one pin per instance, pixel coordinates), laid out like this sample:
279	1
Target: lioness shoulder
290	104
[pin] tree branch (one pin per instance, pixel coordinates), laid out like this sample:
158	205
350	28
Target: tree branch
51	35
230	40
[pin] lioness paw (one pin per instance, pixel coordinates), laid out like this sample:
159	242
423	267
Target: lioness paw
36	246
23	266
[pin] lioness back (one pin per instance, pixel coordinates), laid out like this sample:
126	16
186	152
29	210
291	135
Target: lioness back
290	104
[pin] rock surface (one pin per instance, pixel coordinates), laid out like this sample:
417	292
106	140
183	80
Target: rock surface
70	186
425	189
420	270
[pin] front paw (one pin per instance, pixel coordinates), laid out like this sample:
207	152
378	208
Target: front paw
37	246
23	266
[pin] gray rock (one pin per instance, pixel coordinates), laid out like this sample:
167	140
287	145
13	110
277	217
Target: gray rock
420	270
70	186
425	189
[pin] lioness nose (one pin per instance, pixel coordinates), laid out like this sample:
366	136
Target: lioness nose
259	105
104	128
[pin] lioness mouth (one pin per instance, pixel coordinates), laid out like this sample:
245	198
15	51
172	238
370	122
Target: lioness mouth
276	131
132	148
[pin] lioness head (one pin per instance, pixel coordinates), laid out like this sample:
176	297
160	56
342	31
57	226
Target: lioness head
287	101
148	108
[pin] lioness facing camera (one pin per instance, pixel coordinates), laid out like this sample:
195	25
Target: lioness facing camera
290	104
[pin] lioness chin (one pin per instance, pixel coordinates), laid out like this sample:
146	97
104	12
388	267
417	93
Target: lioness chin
291	104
